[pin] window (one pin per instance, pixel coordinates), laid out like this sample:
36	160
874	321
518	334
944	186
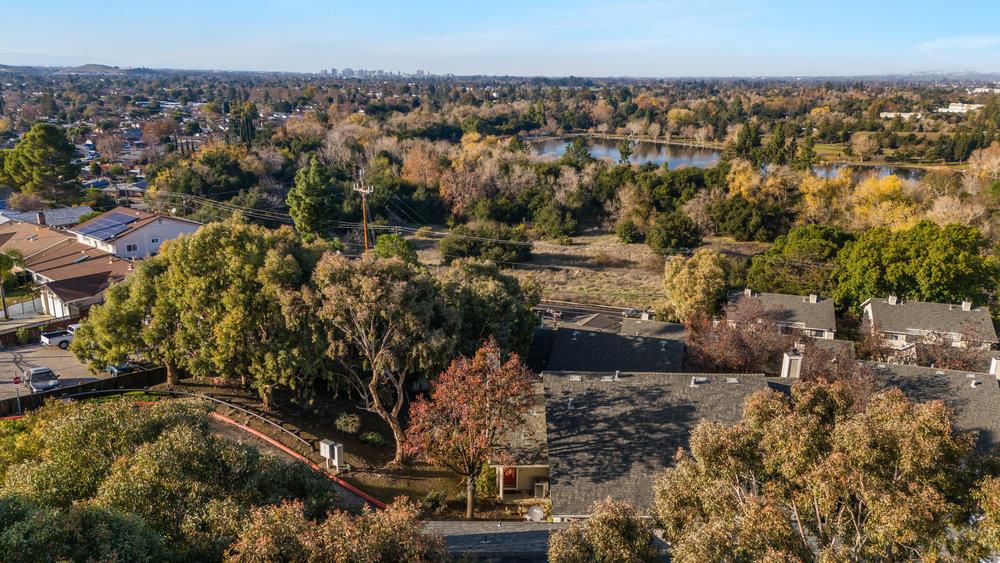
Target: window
154	241
131	248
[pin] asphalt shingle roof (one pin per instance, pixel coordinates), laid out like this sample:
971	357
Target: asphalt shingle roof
496	541
920	316
583	350
796	309
974	397
611	438
61	217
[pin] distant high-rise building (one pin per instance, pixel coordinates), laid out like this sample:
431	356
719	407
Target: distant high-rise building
420	73
324	71
333	72
347	73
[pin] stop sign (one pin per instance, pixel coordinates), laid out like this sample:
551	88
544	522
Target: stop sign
16	380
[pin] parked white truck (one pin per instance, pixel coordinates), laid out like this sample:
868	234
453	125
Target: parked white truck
60	338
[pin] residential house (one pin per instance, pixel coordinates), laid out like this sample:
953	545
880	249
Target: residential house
130	233
71	275
610	435
586	350
810	315
902	324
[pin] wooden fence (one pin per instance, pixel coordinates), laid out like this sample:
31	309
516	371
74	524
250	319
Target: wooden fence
146	378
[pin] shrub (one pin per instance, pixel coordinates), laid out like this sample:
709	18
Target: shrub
372	439
673	231
22	335
628	232
389	245
495	242
486	483
348	423
425	233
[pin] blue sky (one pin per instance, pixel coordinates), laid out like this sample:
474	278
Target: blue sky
540	37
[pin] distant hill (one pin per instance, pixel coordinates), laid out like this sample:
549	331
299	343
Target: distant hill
92	69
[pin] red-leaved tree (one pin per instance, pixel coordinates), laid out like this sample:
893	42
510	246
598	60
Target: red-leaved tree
472	408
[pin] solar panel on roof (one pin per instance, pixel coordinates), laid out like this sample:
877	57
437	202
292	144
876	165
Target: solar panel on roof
107	225
108	232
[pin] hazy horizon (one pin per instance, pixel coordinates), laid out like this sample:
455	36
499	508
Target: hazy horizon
636	38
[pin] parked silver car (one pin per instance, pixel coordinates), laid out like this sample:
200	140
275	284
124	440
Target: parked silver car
41	379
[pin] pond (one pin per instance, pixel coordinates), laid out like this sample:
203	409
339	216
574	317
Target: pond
679	156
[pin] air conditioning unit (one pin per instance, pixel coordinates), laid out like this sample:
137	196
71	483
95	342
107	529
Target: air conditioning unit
541	488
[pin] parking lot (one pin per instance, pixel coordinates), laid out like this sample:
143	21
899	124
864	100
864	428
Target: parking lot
14	361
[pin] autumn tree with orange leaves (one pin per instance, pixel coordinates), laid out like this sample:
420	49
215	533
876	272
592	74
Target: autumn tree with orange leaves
472	407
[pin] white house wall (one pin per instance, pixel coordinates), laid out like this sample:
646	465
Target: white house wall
163	229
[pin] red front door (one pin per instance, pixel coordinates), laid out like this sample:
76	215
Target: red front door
510	477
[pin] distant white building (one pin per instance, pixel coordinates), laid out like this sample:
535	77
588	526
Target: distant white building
958	107
904	115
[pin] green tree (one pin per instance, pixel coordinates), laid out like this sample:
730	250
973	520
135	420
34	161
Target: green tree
694	285
495	242
387	324
747	144
76	533
108	477
577	153
926	262
490	304
613	533
42	163
219	302
10	258
243	118
312	201
285	533
389	245
800	262
672	232
797	479
472	408
625	151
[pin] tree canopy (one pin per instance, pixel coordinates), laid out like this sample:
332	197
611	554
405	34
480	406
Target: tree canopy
42	163
828	473
926	262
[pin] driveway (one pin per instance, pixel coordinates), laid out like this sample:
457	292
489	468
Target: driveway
13	361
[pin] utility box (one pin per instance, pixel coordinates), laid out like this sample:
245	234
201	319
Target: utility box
332	452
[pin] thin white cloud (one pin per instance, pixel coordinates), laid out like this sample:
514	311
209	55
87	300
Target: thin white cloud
961	43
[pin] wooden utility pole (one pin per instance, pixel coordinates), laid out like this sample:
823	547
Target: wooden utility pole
365	191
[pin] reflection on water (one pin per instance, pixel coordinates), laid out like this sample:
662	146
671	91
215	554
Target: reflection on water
678	156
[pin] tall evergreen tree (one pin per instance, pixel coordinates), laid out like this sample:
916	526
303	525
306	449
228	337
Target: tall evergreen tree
311	203
42	164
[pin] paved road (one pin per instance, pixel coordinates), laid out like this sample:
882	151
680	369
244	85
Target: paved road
14	361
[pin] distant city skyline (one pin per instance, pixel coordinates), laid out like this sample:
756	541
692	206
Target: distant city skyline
655	38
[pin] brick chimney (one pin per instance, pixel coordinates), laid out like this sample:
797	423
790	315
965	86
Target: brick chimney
966	305
40	218
893	300
813	298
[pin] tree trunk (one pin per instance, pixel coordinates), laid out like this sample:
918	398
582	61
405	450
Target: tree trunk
470	497
399	437
3	296
172	376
